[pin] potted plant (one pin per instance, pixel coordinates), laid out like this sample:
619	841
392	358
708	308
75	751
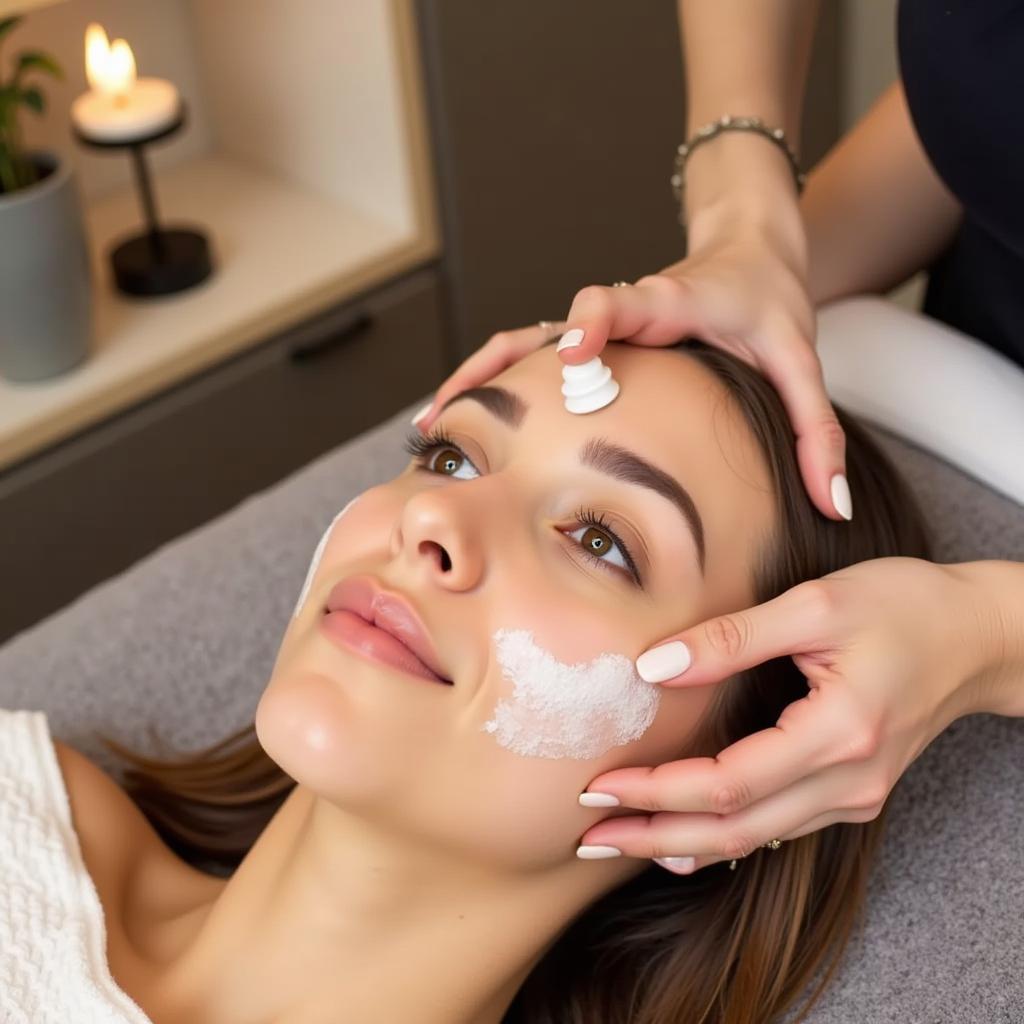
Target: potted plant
45	282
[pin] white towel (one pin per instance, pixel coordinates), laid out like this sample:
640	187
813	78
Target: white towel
53	966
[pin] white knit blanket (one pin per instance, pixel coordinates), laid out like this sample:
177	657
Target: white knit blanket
53	967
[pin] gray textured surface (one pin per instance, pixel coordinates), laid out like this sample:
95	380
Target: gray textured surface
187	637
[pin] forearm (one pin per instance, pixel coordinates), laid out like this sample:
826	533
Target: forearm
748	59
874	209
994	612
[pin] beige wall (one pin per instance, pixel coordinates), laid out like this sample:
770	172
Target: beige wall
869	53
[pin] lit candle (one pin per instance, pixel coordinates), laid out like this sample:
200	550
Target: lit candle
120	107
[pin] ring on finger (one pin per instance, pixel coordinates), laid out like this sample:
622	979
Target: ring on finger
621	284
772	844
552	328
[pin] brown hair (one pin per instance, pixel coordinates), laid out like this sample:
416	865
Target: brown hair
715	947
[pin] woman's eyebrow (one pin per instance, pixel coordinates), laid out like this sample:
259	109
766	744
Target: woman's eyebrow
605	457
500	402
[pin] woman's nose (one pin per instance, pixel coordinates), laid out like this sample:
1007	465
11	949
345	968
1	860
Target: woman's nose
435	533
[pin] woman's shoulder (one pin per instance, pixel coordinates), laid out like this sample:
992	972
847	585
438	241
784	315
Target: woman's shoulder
97	801
134	870
113	833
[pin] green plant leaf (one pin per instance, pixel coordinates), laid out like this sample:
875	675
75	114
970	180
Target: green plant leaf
6	24
8	105
33	98
36	59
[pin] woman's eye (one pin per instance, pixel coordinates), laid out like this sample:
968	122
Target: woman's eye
438	454
449	461
598	544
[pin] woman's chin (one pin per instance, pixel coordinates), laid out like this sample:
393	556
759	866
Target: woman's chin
419	769
312	729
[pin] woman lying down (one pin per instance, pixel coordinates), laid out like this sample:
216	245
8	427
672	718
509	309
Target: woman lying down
397	832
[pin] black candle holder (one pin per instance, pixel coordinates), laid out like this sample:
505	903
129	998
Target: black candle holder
158	261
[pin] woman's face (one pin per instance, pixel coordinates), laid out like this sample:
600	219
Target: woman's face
490	541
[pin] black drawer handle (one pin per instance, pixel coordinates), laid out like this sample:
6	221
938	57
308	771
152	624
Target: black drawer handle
304	351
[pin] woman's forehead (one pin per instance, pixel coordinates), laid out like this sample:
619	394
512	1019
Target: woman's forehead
667	401
678	415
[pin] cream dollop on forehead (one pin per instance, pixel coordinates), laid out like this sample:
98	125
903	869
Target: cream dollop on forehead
588	387
561	710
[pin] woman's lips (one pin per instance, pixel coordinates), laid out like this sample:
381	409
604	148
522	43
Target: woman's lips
354	633
389	611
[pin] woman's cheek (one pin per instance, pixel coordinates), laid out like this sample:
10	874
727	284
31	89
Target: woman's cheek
576	708
557	710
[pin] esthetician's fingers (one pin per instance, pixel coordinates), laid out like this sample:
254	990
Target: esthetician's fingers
687	865
794	368
828	728
831	723
842	793
643	315
655	311
734	297
498	352
799	620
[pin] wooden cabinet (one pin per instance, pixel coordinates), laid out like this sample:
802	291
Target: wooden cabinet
88	508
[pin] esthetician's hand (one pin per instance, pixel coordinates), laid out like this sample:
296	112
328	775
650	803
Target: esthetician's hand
894	650
742	288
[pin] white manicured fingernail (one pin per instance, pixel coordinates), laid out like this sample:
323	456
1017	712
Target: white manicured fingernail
841	500
570	339
423	412
597	852
599	800
677	865
664	662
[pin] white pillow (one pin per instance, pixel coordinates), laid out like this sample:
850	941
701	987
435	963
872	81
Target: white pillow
929	383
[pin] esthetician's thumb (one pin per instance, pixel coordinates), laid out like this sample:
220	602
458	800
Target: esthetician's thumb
720	647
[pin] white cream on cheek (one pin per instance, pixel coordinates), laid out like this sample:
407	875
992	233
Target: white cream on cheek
317	555
561	710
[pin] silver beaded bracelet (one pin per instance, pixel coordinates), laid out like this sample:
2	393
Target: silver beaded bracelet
729	123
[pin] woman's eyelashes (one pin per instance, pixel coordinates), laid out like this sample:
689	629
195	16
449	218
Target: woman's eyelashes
423	448
594	545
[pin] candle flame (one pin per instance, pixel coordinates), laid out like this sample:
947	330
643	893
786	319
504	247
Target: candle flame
110	68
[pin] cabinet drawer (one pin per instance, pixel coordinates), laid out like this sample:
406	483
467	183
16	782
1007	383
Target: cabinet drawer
82	511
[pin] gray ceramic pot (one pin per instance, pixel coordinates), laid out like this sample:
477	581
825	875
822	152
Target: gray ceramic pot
46	309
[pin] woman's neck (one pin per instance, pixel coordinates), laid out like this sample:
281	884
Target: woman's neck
330	916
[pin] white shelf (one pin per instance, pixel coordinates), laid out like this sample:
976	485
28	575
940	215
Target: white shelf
8	7
296	225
